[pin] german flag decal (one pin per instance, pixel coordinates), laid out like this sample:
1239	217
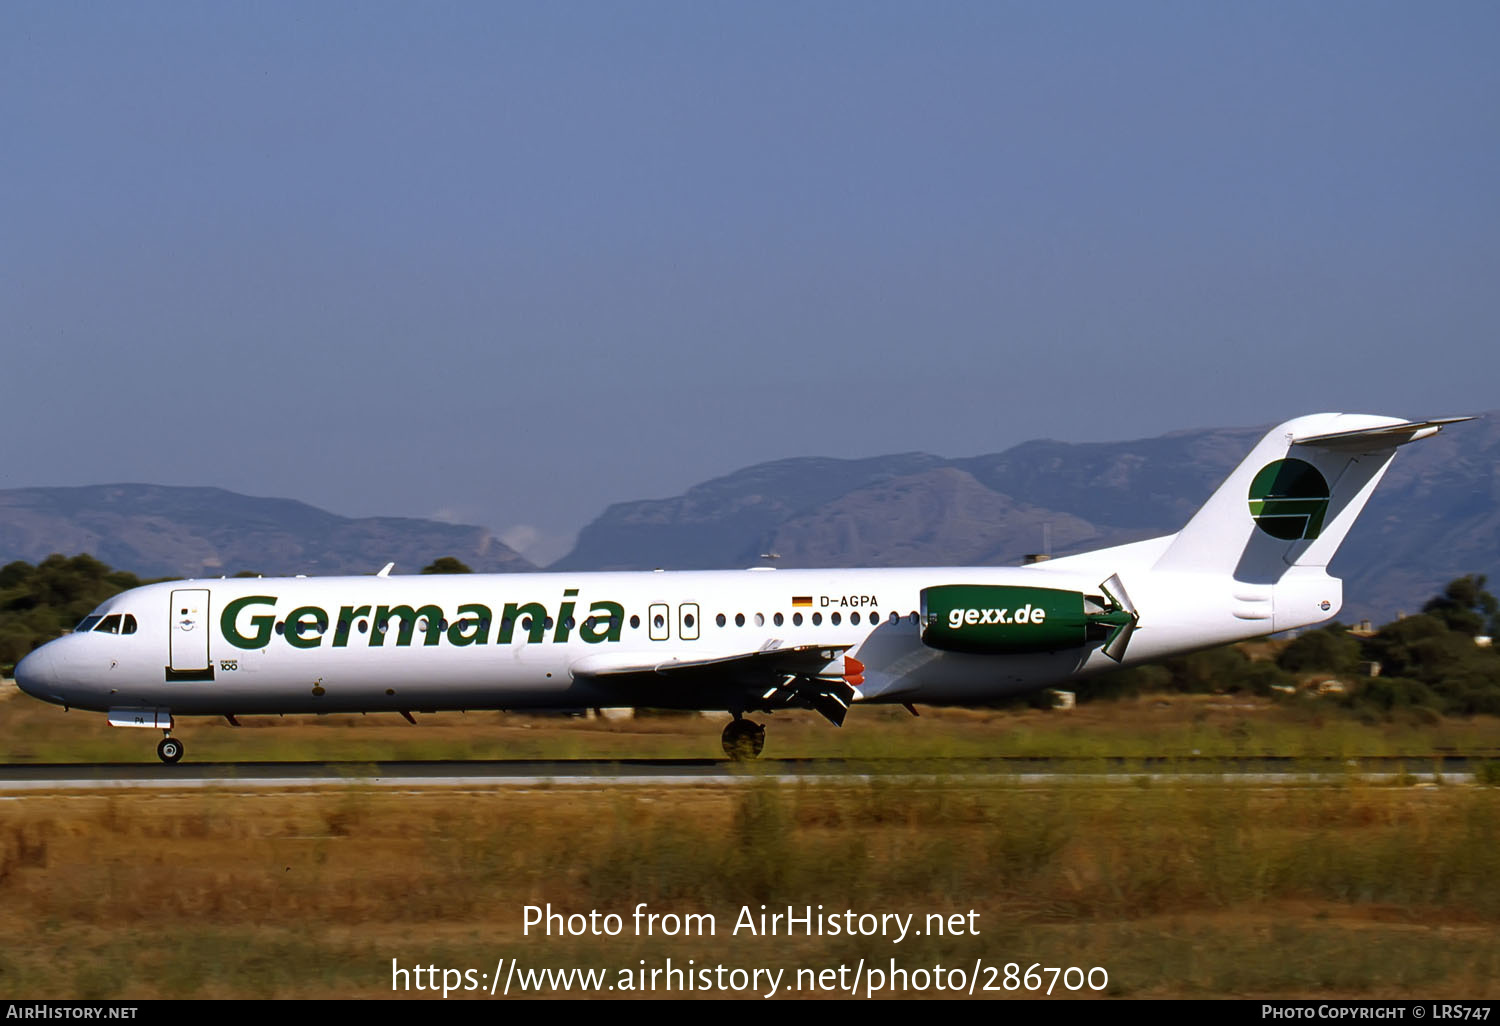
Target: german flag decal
801	600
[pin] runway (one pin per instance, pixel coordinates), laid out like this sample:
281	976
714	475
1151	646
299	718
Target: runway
529	773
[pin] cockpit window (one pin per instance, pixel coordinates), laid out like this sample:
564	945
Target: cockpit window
129	625
87	624
110	624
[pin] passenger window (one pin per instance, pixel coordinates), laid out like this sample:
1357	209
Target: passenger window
687	621
854	619
110	624
834	619
129	627
817	619
914	619
364	625
739	619
778	619
720	620
635	622
796	619
87	624
760	619
659	621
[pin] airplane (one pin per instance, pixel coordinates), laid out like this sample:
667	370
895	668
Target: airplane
1252	561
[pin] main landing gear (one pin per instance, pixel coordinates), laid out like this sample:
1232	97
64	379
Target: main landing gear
743	739
169	750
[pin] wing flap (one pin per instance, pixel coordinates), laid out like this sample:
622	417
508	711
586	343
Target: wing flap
775	676
772	658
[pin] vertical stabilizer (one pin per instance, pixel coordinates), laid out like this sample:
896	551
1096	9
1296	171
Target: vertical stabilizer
1291	502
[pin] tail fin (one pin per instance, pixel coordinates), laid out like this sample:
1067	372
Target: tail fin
1294	498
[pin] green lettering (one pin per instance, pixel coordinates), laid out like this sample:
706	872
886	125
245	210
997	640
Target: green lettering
565	617
346	620
408	617
263	624
306	618
472	631
512	615
606	620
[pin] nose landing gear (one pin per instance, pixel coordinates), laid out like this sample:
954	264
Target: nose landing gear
743	739
169	750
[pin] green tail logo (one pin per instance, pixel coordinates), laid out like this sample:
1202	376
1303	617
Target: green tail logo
1289	500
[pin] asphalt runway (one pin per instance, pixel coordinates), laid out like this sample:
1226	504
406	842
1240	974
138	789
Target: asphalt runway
524	773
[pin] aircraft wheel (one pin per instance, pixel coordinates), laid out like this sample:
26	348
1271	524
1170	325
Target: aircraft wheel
169	750
743	739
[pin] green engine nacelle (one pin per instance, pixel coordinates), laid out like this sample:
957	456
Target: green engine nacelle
996	619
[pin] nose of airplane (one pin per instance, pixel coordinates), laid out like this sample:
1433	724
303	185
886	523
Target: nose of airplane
35	673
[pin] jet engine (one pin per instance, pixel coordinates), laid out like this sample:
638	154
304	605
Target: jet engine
995	619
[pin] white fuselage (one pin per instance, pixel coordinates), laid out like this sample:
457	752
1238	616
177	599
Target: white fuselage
1252	561
514	641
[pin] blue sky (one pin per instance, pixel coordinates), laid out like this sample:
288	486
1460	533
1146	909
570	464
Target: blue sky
510	262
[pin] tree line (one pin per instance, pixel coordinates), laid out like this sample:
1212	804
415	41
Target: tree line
1437	660
1433	660
38	603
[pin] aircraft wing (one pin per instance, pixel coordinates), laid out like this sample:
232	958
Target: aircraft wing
820	677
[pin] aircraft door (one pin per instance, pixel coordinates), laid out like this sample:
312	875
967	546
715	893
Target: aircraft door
687	621
661	629
187	644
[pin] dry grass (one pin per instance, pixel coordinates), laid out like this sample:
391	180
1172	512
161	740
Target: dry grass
1186	888
1181	889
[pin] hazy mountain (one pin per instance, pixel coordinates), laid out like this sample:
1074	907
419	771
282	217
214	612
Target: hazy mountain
1435	517
727	522
157	531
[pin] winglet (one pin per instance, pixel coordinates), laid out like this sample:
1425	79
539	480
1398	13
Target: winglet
385	571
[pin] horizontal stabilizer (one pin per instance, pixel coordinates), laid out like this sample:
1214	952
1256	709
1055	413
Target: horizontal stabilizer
1374	439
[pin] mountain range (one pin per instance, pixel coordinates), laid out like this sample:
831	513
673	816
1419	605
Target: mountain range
1436	517
161	531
